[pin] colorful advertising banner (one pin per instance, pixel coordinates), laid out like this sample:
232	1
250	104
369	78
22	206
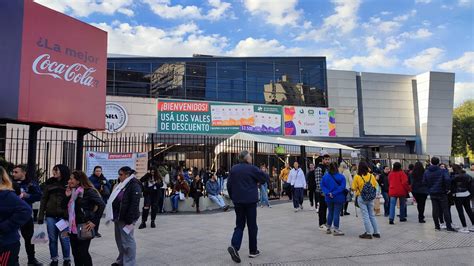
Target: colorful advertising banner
191	117
310	121
112	162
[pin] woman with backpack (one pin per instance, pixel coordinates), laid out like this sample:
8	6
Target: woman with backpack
397	190
333	186
365	188
462	184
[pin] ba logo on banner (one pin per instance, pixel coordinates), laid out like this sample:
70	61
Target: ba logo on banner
116	117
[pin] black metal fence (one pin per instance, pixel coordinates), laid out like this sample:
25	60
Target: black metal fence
174	150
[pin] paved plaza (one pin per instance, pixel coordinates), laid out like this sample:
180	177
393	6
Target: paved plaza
286	238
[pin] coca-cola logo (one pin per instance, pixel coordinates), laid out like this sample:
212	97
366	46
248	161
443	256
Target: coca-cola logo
75	73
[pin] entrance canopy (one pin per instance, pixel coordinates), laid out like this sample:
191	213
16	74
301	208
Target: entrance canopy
246	141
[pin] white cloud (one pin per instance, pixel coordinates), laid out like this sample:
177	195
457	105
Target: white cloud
279	13
419	34
264	47
424	60
422	1
343	21
463	91
165	9
465	3
184	40
464	63
83	8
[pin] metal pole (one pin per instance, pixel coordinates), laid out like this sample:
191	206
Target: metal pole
32	143
80	147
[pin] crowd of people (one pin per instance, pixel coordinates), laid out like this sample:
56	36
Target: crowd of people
331	186
71	204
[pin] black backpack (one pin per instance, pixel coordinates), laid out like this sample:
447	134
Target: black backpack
368	192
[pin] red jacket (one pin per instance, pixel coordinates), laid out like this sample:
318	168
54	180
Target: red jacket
398	184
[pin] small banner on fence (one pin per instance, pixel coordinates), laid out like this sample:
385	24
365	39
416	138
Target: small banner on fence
112	162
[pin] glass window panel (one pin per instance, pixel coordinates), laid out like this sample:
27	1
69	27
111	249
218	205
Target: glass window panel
132	89
260	67
133	76
140	67
232	96
110	74
238	65
254	97
224	85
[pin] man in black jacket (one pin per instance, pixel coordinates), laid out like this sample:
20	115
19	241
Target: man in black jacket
311	181
243	191
438	182
30	192
384	185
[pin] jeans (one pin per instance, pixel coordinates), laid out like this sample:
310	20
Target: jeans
464	202
393	206
313	195
420	205
9	254
298	197
27	231
368	215
174	201
441	208
386	204
217	199
245	213
53	235
322	209
264	194
125	244
80	251
334	209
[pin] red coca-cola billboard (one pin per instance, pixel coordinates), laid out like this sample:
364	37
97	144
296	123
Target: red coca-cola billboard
55	67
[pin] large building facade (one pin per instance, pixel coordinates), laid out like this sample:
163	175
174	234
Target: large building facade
379	112
386	113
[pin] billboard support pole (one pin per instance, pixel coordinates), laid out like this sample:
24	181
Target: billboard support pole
32	147
80	147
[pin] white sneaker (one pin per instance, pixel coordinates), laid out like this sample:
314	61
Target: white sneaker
323	227
442	226
311	208
455	226
269	206
463	230
337	232
296	209
301	207
471	228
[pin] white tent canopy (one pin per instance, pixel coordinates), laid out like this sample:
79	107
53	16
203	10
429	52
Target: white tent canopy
226	146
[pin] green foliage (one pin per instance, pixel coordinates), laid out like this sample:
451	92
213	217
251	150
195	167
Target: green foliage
463	129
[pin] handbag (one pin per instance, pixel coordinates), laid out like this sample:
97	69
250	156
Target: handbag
181	196
83	234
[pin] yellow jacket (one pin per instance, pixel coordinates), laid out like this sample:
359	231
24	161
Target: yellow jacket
284	174
359	181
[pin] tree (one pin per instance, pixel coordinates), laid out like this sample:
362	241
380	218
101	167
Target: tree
463	129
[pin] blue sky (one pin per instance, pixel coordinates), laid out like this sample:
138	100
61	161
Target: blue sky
404	36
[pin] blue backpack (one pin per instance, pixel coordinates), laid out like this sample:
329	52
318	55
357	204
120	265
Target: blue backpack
368	192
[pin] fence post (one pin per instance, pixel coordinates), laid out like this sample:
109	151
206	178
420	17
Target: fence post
80	147
32	147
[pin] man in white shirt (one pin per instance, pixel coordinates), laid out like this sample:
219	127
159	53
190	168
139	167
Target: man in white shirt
297	180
